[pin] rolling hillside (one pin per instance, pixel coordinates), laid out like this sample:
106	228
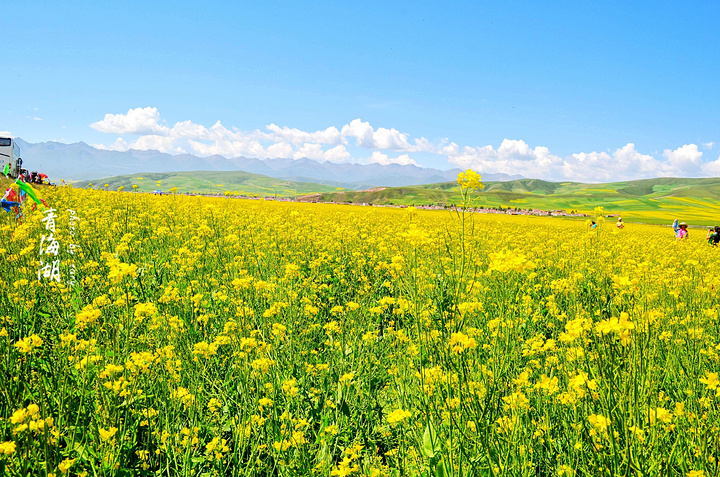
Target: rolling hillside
696	201
649	200
211	182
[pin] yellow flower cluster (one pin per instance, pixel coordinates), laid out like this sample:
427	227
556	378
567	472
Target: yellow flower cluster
398	415
470	179
460	342
29	419
29	344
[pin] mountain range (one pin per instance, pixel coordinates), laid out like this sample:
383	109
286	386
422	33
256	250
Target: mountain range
80	161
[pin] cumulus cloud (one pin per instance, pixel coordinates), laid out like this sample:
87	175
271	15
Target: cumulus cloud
144	129
625	163
281	150
272	143
378	157
712	168
119	145
382	138
512	157
309	150
515	150
361	131
137	121
229	147
686	159
337	154
294	136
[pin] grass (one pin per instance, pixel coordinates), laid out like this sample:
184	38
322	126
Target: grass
651	200
208	182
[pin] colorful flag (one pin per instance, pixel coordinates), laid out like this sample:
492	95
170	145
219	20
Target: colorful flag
29	191
7	205
6	171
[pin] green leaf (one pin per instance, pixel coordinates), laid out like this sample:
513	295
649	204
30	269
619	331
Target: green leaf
431	445
440	469
345	409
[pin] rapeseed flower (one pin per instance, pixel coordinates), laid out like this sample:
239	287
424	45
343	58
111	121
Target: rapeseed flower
469	179
460	342
29	344
7	447
711	380
107	434
599	422
65	465
398	415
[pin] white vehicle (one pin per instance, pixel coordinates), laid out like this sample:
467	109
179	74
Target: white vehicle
10	154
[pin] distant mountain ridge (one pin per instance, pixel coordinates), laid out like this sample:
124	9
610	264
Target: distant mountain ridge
80	161
236	183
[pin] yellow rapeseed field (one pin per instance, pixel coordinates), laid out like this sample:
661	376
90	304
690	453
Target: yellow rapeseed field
171	335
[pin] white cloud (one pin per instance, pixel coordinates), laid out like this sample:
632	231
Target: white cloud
157	143
625	163
188	129
686	159
383	138
516	157
229	148
294	136
337	154
118	145
309	150
712	168
137	121
515	150
361	131
281	150
378	157
423	145
512	156
390	139
404	160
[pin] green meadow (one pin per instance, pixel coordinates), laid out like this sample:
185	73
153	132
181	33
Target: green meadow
654	201
209	182
696	201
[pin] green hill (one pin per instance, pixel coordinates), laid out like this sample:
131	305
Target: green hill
210	182
650	200
696	201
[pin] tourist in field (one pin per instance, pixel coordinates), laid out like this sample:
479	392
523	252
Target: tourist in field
713	235
620	224
681	231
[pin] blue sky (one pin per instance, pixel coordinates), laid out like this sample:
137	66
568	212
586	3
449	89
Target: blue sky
557	90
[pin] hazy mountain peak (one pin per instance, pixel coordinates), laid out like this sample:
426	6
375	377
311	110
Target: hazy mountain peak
80	161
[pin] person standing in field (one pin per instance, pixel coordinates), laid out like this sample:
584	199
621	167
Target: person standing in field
713	235
680	229
620	224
